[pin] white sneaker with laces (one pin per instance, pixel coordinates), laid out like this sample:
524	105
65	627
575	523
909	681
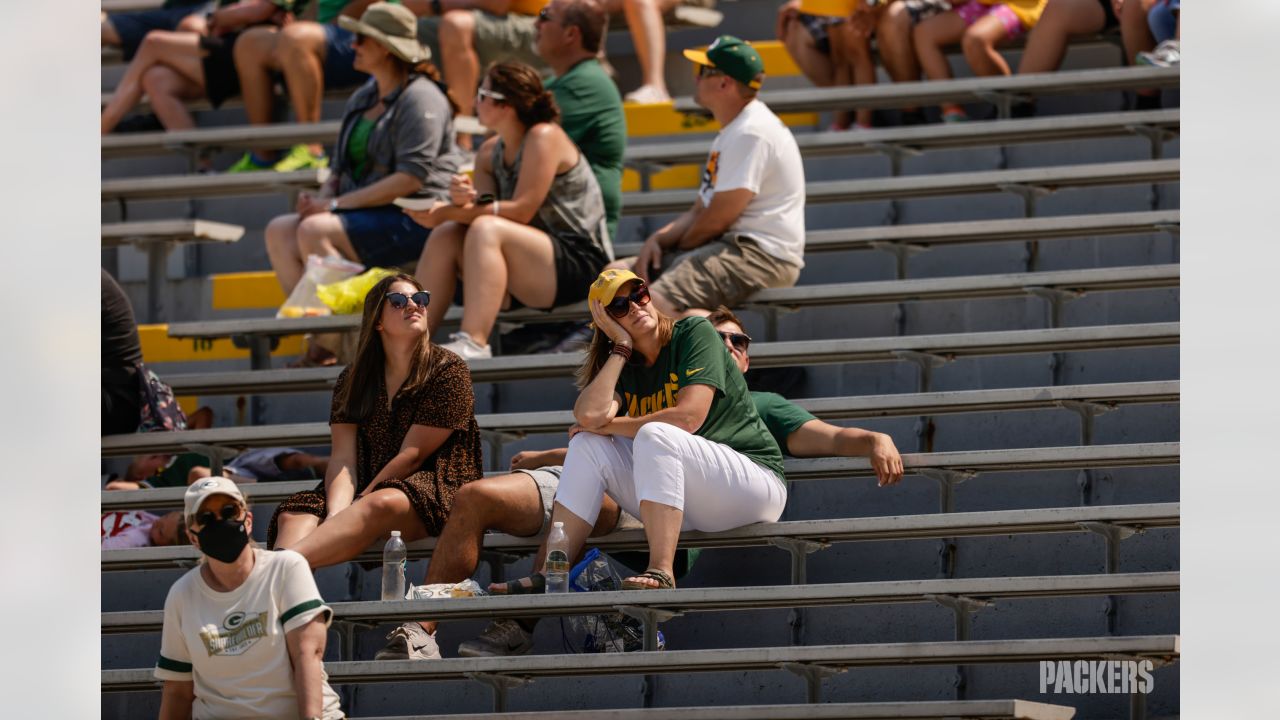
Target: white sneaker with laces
410	641
501	638
1166	54
466	348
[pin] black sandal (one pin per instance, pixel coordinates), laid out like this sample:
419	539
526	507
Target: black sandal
536	584
664	581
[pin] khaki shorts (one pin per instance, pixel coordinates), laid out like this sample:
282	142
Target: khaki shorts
498	38
547	478
726	271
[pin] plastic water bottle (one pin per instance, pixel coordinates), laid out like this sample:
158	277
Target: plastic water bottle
557	570
395	557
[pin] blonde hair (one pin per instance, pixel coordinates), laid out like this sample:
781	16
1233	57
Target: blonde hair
601	346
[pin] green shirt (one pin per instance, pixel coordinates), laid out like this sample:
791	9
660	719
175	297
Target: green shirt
358	146
175	475
327	11
780	415
697	356
591	115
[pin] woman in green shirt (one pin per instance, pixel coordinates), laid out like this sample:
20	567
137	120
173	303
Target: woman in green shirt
662	395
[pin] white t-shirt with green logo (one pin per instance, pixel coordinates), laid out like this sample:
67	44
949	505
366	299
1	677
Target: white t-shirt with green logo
232	644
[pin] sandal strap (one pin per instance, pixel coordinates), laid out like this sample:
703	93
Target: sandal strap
537	584
665	582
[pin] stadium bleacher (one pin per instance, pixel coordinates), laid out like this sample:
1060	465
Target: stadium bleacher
1000	296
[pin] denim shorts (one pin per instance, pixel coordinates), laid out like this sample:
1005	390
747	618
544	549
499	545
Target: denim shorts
132	27
339	59
383	236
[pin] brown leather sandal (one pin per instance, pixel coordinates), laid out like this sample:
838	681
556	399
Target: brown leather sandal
664	581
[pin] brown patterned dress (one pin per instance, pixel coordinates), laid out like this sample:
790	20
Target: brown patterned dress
444	401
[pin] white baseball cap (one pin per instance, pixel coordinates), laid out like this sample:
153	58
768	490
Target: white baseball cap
201	489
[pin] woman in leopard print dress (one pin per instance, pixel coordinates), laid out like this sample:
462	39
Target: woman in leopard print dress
404	437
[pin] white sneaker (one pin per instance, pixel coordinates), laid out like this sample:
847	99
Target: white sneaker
410	641
647	95
466	348
501	638
1166	54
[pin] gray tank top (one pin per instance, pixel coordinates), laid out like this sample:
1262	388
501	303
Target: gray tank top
573	211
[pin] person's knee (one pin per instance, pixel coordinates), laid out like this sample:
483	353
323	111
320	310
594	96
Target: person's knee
383	504
895	22
157	81
484	233
281	233
192	23
299	39
457	29
974	43
314	232
658	437
471	503
198	472
589	446
253	49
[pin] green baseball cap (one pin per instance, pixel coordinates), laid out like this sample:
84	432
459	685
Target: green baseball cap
732	56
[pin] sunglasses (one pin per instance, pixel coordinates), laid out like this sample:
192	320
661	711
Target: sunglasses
544	15
708	71
620	306
495	96
739	341
398	300
227	512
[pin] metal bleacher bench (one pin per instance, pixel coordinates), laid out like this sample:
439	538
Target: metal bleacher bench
157	237
784	535
916	348
1029	183
1002	91
1155	124
257	333
1161	650
965	463
1099	397
914	710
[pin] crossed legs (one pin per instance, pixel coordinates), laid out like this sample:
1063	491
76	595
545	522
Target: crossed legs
291	239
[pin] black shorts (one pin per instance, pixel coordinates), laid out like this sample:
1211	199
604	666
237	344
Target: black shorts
818	25
220	78
578	262
1111	20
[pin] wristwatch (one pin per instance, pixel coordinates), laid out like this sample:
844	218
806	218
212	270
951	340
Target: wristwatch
333	205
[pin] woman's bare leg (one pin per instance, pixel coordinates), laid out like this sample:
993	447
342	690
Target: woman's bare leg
368	519
255	59
439	267
1047	43
180	51
292	527
648	35
979	45
282	251
169	92
494	244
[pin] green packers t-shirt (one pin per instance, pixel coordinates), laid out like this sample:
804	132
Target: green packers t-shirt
591	115
697	356
780	415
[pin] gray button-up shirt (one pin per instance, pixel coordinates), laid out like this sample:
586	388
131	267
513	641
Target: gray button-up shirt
414	135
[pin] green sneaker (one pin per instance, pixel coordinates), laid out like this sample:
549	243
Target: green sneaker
247	163
299	157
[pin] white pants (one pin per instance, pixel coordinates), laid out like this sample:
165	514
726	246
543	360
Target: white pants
717	487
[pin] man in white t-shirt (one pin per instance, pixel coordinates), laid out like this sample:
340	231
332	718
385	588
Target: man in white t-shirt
745	232
244	632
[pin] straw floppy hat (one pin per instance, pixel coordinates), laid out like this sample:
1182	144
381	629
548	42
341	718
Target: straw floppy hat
394	26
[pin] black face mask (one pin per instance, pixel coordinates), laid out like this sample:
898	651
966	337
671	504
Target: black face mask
223	539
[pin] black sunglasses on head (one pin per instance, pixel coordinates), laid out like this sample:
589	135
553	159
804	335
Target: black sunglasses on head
398	300
739	341
621	305
227	512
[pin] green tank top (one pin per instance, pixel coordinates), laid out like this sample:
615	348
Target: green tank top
358	146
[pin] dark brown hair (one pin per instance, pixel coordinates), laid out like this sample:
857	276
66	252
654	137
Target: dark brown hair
590	19
600	347
360	394
723	314
522	89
